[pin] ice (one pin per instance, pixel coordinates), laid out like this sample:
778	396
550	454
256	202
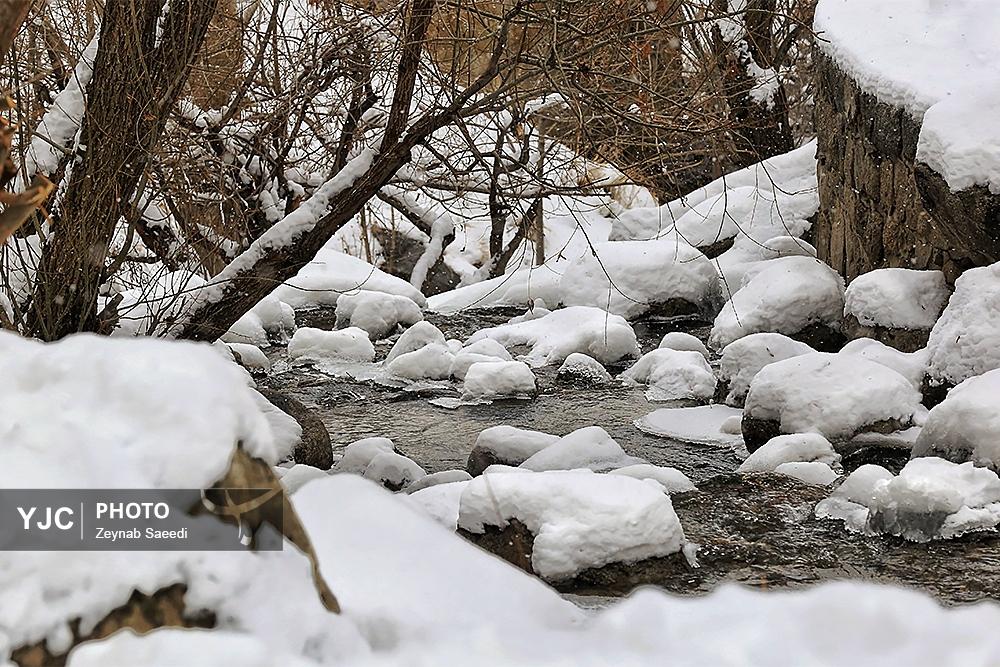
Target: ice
798	447
785	296
965	341
579	520
672	375
485	381
420	334
591	331
897	298
685	342
360	453
632	278
430	362
911	365
834	395
583	369
816	473
589	447
966	425
743	358
351	344
377	313
393	471
703	424
672	479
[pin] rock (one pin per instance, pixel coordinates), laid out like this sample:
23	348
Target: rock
966	425
506	445
745	357
582	370
897	307
314	447
393	471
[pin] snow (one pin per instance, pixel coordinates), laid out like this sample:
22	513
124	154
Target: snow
588	447
517	288
579	520
512	445
488	347
251	356
393	470
322	281
294	478
897	298
703	424
582	368
799	447
351	344
672	375
937	61
965	341
360	453
498	379
463	360
744	357
834	395
377	313
417	336
438	478
786	296
911	365
591	331
966	425
816	473
91	411
430	362
685	342
440	502
672	479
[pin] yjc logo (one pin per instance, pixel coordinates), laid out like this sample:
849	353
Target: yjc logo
59	517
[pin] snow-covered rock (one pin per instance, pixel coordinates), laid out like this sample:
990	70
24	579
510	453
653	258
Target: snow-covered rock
360	453
377	313
295	477
635	278
743	358
351	344
672	479
965	341
589	447
439	501
672	375
897	306
430	362
591	331
911	365
786	296
703	424
417	336
506	445
579	520
488	347
486	381
251	356
393	471
799	447
816	473
685	342
966	425
463	360
436	478
581	369
837	396
849	502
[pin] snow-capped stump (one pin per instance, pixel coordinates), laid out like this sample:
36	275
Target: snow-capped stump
505	445
582	370
360	453
911	365
816	473
464	359
837	396
558	524
931	498
312	445
966	425
352	344
965	341
430	362
703	424
393	471
743	358
436	478
487	381
800	297
417	336
588	447
684	342
665	277
895	306
795	448
672	375
377	313
672	479
591	331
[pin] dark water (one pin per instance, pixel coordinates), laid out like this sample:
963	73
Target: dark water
758	530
